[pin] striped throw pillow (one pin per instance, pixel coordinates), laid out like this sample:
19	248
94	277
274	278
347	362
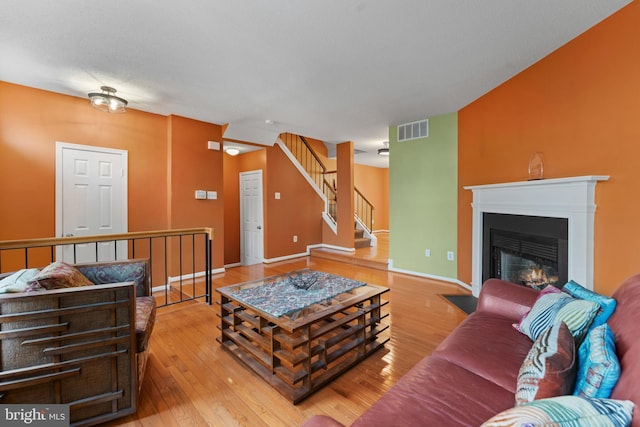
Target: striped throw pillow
551	308
549	369
566	411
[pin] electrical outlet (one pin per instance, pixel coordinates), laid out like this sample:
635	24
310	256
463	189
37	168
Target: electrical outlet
295	239
427	252
450	256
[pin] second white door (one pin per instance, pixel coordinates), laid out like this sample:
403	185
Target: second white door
251	218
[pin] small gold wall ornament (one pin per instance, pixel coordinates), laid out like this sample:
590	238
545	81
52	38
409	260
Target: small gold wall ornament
536	166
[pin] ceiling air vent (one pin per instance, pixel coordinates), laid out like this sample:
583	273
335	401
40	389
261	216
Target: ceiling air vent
413	130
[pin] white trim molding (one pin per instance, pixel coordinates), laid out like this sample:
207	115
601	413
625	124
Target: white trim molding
572	198
192	276
430	276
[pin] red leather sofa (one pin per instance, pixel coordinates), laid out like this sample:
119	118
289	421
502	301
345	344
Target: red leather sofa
472	375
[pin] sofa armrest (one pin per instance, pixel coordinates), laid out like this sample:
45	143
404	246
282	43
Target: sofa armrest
506	299
70	346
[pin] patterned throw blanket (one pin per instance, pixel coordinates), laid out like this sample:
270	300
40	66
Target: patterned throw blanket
296	291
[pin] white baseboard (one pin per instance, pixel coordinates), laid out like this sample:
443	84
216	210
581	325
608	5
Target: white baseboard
308	252
286	257
160	288
170	280
432	276
235	264
194	275
336	248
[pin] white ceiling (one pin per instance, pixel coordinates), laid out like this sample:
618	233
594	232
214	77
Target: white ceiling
334	70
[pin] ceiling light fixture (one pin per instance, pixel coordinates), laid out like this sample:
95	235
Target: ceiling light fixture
232	151
384	151
108	101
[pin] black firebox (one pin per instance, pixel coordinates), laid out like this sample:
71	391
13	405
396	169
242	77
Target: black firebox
527	250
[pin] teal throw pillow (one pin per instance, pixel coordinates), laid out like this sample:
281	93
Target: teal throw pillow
566	411
607	304
598	366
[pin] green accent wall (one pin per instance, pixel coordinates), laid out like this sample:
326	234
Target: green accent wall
423	194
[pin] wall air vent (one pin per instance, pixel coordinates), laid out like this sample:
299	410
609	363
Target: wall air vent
413	130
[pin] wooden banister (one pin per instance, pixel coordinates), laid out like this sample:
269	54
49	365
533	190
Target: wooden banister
177	258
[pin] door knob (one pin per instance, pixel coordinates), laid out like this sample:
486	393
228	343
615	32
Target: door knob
259	227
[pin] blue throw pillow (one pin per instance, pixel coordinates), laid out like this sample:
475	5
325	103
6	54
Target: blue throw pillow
598	365
607	304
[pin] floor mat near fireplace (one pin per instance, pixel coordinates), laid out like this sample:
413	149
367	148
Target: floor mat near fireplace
466	303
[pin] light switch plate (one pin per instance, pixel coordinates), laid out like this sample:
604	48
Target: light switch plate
212	195
201	195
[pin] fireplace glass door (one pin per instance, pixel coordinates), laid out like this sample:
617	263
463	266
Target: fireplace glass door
525	270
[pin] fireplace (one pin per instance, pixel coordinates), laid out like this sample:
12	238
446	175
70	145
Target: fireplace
528	250
570	199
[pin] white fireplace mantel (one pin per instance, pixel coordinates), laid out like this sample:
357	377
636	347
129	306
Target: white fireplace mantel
572	198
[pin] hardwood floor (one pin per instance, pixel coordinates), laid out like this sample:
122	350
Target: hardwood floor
192	381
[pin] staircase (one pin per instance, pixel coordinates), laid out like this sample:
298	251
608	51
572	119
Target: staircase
325	183
361	241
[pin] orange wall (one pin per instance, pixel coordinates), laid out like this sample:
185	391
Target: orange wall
231	170
374	184
254	160
345	237
297	212
32	120
194	167
168	160
579	107
280	226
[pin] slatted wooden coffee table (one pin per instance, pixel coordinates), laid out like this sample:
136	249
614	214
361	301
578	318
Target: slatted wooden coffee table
300	352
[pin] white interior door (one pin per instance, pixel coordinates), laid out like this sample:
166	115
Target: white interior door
91	199
251	218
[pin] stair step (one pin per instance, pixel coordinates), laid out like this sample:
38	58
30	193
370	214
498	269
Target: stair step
362	242
348	258
359	234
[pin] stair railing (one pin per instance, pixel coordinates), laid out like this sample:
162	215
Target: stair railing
330	189
302	151
363	210
186	254
311	163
